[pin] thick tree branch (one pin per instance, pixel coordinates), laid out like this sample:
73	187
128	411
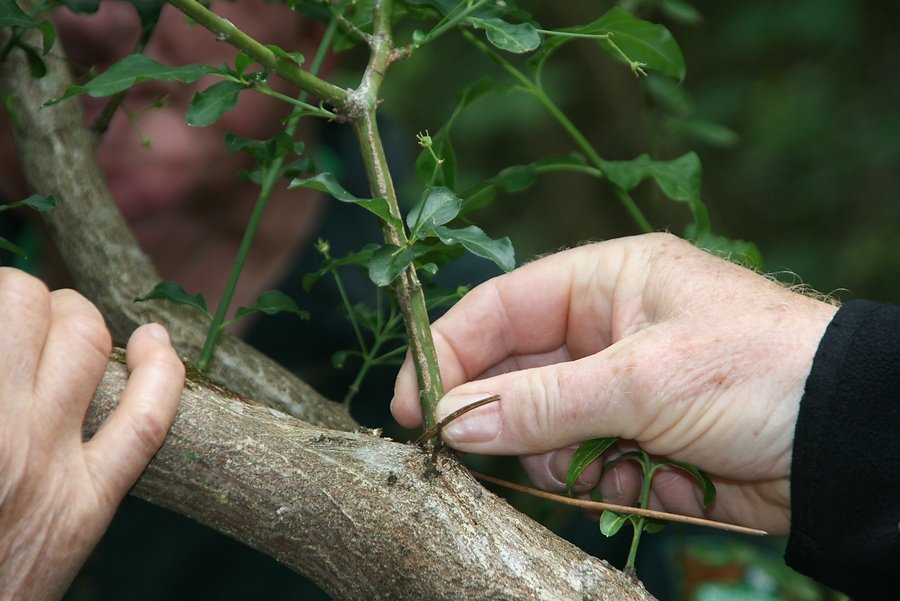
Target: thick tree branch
57	154
364	517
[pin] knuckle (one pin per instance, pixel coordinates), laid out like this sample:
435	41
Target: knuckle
148	428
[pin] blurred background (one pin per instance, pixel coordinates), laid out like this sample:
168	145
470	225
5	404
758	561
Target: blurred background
794	109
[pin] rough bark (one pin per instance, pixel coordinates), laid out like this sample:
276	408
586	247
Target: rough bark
364	517
57	154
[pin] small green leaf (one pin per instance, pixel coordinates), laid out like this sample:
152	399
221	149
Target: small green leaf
82	7
172	291
584	455
709	489
652	526
681	12
13	248
11	15
35	62
517	38
339	359
473	239
611	522
136	68
679	179
738	251
637	456
40	203
270	303
208	106
388	262
360	257
327	182
516	178
436	206
648	43
35	201
48	31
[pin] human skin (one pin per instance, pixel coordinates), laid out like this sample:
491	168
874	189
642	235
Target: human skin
58	493
648	339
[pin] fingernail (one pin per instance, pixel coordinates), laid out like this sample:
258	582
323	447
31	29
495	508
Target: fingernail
479	425
154	330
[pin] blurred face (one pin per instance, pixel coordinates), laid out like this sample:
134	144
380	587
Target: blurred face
182	165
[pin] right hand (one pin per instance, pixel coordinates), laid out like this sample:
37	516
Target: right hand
648	339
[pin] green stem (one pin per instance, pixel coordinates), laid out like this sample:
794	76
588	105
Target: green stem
270	177
638	522
570	128
450	21
308	109
225	31
362	105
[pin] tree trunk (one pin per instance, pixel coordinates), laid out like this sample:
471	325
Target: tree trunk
365	517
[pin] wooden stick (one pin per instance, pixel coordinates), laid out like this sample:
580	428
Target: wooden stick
585	504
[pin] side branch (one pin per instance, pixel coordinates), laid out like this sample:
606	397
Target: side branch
225	31
362	516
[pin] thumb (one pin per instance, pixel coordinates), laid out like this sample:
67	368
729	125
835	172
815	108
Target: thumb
544	408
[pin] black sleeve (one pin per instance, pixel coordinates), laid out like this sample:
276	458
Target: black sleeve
845	472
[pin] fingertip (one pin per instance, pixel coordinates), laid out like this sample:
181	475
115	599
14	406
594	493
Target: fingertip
405	403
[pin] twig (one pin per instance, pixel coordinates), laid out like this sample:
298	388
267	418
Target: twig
435	430
585	504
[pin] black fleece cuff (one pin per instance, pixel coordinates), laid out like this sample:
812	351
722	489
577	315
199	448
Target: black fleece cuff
845	472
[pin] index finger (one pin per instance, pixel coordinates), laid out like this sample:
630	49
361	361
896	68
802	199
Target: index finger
564	301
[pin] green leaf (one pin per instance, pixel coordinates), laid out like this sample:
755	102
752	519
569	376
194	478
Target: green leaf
270	303
35	63
172	291
517	38
48	31
136	68
209	105
611	522
516	178
327	182
148	11
738	251
473	239
388	262
436	206
681	12
262	151
584	455
11	15
13	248
638	456
648	43
82	7
679	179
709	489
40	203
652	526
35	201
361	257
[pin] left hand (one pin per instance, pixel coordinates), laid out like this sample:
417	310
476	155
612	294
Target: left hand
57	493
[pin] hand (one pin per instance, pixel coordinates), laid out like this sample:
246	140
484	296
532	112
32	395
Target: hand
649	339
57	493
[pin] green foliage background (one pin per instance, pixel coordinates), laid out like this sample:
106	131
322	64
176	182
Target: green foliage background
794	109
